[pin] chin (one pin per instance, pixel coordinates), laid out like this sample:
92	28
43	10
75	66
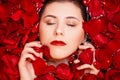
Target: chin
58	57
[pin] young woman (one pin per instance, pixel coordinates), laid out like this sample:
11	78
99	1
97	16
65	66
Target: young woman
61	30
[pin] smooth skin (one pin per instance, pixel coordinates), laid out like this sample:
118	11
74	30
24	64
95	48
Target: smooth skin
57	23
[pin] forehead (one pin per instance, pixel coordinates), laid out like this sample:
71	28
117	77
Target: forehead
62	9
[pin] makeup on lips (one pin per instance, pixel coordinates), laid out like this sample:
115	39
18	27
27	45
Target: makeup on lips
58	43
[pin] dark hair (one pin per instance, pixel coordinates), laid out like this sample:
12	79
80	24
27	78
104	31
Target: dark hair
78	3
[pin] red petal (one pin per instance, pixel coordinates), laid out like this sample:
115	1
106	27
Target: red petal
95	26
113	74
110	5
46	52
63	72
86	56
95	8
116	60
37	49
89	77
114	45
104	57
39	66
100	40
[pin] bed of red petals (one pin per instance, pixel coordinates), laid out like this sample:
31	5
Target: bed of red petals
19	22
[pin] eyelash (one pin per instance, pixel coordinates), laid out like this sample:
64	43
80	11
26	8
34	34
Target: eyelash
72	25
50	23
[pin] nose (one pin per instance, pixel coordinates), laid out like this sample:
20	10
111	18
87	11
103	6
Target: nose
59	30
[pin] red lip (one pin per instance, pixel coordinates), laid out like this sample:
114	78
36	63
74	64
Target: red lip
58	43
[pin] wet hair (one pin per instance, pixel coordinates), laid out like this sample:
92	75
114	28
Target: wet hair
78	3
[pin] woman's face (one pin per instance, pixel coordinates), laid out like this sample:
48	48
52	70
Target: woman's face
61	29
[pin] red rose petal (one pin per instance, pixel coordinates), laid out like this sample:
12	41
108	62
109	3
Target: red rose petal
46	52
100	40
39	66
17	15
104	58
95	26
63	72
89	77
113	74
116	60
95	8
86	56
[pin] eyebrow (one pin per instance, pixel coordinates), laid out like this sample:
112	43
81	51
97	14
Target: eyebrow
50	16
69	17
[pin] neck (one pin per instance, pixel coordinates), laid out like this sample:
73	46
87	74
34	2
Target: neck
56	62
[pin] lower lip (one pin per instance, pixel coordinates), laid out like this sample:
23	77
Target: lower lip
58	43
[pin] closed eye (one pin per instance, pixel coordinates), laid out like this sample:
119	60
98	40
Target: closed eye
50	23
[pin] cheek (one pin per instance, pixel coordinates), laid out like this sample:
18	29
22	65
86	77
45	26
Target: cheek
77	38
45	35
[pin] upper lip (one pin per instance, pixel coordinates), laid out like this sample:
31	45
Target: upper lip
58	43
